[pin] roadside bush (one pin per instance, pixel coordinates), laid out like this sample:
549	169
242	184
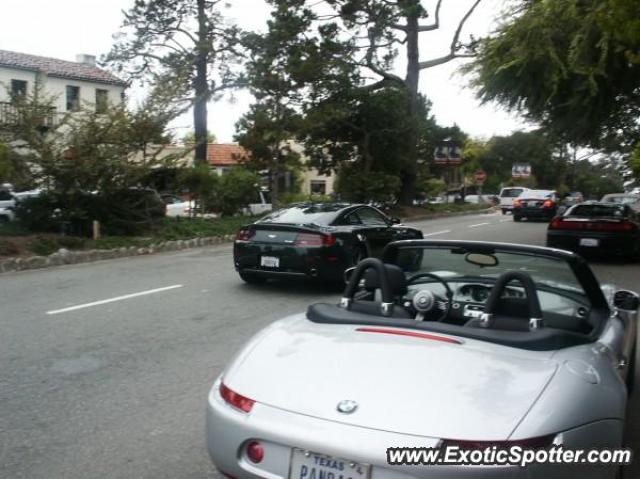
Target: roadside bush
8	248
288	198
236	189
122	212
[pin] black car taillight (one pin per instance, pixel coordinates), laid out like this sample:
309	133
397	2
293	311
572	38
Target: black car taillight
312	239
602	226
244	235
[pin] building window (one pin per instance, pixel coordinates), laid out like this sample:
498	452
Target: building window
318	187
73	98
18	88
102	100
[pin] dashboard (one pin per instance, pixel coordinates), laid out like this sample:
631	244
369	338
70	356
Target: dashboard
478	293
469	299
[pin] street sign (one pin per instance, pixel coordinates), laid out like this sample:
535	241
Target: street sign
521	171
480	177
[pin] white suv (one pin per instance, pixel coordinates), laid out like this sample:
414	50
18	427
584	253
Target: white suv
508	195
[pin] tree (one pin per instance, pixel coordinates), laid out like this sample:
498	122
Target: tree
579	78
358	38
190	137
186	49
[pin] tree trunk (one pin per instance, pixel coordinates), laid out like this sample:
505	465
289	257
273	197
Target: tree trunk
409	172
201	88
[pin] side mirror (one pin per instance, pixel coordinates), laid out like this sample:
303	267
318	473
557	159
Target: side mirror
395	221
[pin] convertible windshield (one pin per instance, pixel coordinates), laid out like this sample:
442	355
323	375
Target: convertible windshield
450	263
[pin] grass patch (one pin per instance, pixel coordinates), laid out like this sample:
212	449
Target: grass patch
416	211
8	248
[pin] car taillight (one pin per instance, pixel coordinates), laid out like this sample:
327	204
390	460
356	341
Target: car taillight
517	203
531	443
312	239
244	234
255	452
236	400
602	226
547	204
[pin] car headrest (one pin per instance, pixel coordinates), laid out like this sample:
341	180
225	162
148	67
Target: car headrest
397	279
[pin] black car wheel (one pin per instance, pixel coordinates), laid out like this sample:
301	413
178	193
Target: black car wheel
504	211
516	218
251	278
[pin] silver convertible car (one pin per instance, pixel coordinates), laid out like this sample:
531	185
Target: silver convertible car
441	344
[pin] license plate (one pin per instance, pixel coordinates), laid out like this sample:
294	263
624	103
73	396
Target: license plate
589	242
270	262
309	465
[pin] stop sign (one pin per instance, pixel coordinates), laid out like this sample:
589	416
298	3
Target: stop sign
480	176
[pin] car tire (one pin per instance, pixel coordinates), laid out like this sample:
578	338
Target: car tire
516	218
504	211
251	278
4	219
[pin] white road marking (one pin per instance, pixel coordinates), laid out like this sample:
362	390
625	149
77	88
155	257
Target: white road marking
437	233
504	221
111	300
479	224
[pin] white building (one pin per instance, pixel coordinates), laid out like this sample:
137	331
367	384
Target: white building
72	85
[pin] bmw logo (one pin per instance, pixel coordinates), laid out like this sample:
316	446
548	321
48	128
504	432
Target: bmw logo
347	406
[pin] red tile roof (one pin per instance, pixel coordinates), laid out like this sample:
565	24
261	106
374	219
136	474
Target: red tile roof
226	154
58	68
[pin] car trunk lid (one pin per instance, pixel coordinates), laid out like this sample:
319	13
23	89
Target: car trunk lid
461	389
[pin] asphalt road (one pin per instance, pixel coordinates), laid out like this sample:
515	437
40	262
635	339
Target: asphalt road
106	366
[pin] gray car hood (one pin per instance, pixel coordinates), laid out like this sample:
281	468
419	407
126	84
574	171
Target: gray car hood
408	385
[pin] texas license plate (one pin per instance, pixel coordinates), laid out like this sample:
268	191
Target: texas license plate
309	465
589	242
270	262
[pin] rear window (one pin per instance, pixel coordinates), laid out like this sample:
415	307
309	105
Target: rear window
622	200
542	194
319	214
597	211
511	192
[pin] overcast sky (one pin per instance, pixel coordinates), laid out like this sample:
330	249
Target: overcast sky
64	28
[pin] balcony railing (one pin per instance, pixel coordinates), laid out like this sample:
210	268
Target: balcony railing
45	117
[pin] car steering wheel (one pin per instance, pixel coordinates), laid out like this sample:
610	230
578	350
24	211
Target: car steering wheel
431	307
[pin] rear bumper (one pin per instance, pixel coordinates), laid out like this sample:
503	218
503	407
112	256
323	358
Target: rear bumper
279	431
618	244
327	263
546	213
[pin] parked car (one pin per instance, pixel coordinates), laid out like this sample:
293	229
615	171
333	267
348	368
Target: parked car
176	206
259	204
535	204
438	348
508	195
7	204
623	199
593	227
572	198
314	240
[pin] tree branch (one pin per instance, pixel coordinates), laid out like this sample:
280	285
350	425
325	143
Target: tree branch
453	48
436	24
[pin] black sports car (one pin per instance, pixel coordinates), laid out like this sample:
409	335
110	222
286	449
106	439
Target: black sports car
314	240
593	227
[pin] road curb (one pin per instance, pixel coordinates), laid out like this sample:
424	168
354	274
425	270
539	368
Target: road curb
65	257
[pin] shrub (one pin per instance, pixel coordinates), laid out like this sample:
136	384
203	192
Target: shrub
8	248
237	188
288	198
